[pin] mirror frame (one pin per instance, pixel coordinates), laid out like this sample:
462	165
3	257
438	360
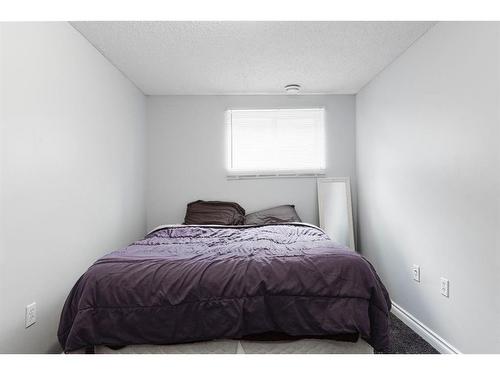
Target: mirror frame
347	182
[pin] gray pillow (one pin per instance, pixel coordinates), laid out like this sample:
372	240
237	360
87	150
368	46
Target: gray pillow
279	214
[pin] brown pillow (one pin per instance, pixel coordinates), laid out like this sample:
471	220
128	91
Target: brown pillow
214	212
279	214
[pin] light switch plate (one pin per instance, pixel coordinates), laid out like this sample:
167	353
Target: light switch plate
30	317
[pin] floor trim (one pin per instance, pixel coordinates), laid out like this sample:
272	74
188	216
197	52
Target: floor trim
437	342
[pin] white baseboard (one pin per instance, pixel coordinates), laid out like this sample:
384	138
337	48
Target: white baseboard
437	342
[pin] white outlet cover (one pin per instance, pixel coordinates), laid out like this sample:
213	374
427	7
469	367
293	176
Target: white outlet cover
416	272
30	317
445	287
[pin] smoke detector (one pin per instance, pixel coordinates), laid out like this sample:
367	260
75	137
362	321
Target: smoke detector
292	89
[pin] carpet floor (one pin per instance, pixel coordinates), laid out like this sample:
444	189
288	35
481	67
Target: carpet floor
405	341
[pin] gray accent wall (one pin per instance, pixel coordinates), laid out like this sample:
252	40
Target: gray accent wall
428	167
186	154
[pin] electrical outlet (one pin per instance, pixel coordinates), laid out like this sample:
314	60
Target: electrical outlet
445	287
416	273
30	317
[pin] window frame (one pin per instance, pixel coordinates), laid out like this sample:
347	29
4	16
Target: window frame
233	174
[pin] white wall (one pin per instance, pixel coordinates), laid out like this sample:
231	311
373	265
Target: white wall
186	154
71	163
428	167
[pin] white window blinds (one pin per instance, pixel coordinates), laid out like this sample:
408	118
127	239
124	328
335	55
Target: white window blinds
275	142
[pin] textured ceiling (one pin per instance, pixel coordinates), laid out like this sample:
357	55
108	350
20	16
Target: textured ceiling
250	57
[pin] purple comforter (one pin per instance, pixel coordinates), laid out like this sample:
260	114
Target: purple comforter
193	283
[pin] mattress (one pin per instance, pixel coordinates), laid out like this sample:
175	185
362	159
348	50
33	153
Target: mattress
303	346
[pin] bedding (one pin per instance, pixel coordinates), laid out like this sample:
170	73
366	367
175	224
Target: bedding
194	283
214	212
279	214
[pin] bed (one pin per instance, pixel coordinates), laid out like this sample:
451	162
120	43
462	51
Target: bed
198	283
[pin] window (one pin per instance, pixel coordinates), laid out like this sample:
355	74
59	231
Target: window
276	142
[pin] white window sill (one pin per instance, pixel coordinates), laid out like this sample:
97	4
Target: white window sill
263	175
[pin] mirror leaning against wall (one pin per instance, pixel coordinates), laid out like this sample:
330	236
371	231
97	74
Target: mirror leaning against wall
335	210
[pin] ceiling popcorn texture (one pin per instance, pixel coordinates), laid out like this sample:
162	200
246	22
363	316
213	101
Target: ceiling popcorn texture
261	57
